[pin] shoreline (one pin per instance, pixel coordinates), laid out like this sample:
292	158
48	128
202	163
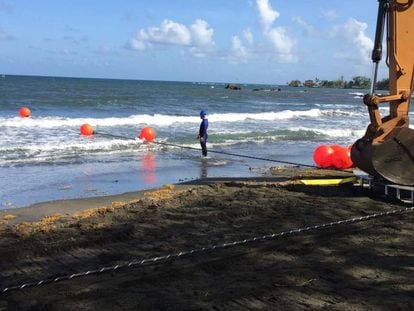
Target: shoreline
91	180
68	207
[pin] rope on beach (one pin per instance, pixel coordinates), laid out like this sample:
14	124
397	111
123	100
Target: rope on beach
181	254
220	152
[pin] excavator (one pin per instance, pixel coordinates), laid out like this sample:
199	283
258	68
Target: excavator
386	151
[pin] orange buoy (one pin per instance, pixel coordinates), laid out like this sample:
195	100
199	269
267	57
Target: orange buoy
24	112
147	133
86	129
336	147
323	156
341	158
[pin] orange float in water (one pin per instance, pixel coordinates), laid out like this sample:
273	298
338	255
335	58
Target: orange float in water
86	129
24	112
323	156
147	133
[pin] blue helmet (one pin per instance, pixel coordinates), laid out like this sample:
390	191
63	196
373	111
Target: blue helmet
203	113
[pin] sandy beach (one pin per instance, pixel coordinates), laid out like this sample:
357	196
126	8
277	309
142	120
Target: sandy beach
367	265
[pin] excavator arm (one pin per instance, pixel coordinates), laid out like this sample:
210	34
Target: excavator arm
387	148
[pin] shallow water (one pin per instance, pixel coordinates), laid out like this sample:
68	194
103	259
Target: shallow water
44	158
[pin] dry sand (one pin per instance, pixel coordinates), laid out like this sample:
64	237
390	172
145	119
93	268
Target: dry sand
363	266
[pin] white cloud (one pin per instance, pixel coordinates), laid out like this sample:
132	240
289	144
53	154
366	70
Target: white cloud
278	37
238	50
282	43
309	30
267	14
137	44
199	36
202	33
355	45
248	36
168	33
202	38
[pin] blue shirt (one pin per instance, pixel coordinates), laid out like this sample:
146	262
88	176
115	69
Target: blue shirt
203	129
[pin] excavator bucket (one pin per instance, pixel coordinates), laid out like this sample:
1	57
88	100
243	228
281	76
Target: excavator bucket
361	155
394	158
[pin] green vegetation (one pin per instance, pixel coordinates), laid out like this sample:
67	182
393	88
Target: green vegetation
384	84
357	82
295	83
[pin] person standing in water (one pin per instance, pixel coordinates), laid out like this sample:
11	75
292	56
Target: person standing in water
202	134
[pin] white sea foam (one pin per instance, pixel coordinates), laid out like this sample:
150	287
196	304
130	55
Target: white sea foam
357	94
154	120
342	112
340	132
34	146
265	116
45	151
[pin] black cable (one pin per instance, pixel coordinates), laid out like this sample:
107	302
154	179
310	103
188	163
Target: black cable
211	151
112	135
236	155
227	153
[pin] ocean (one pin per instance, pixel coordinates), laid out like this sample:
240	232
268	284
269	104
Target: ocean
44	157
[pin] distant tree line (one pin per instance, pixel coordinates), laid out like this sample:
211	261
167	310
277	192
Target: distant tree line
384	84
357	82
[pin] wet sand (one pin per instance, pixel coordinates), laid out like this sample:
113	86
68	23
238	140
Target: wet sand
362	266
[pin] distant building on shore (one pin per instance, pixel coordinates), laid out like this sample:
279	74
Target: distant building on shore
309	83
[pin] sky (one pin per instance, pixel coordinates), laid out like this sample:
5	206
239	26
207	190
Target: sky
229	41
